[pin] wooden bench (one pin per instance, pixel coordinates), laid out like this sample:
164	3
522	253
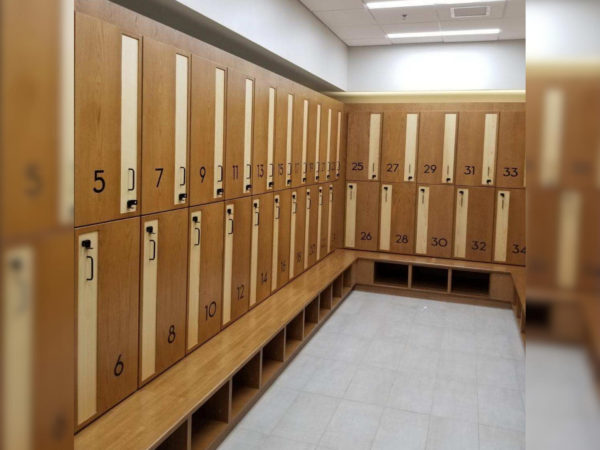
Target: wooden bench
196	402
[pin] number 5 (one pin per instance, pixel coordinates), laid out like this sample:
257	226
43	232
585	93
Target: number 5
97	178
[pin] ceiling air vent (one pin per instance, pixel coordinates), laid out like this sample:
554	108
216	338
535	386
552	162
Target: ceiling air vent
465	12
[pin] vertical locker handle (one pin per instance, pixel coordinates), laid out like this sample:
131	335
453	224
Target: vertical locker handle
423	195
220	173
351	191
502	195
257	215
410	177
231	221
249	171
153	257
462	194
197	243
132	172
385	188
183	171
91	277
277	209
272	168
308	202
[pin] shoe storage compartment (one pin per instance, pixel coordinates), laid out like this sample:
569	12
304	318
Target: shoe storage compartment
211	419
273	355
429	278
468	282
325	302
245	385
311	316
391	274
294	334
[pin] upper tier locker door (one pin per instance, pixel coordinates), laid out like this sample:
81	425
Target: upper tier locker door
314	139
437	147
284	107
107	112
509	239
163	306
364	144
476	149
299	137
261	255
165	127
362	209
236	271
297	231
324	241
205	269
399	147
397	217
281	239
264	136
510	168
207	140
238	154
435	215
107	315
474	223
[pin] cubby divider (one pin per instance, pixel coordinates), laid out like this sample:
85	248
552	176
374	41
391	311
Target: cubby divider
294	334
245	385
429	278
211	420
470	282
338	289
391	274
311	316
273	355
178	439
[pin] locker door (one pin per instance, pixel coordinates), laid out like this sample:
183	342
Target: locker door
510	168
435	213
314	141
364	146
205	268
397	217
399	147
311	244
163	292
236	273
476	149
281	238
284	106
107	112
297	232
165	127
324	241
437	147
207	139
338	143
510	240
264	136
240	112
107	315
338	206
299	139
474	223
362	209
261	255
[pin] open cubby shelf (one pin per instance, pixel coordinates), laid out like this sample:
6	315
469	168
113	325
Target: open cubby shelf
325	302
245	385
177	439
338	289
211	420
311	316
469	282
348	279
294	334
430	278
391	274
273	357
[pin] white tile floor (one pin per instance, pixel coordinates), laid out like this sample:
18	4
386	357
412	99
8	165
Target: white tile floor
389	372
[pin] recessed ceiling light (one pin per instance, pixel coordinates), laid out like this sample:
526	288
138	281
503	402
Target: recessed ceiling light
413	3
444	33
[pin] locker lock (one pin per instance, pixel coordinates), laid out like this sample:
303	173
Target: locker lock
502	194
256	204
289	182
422	189
277	200
248	187
351	186
131	203
220	191
86	243
229	211
448	180
410	177
195	219
270	184
373	176
385	188
488	181
328	177
182	197
304	179
150	229
317	177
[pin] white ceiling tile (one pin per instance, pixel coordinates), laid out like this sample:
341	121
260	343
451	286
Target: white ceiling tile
397	15
332	5
445	12
470	24
367	42
417	40
411	27
490	37
350	17
515	8
359	32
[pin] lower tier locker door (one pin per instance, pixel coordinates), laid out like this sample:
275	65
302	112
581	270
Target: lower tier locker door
163	292
435	214
323	222
107	315
397	217
474	223
262	254
205	278
236	273
362	210
509	239
297	232
281	238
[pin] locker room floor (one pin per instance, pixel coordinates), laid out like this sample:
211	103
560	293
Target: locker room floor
397	373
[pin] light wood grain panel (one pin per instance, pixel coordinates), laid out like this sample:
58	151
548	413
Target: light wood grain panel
374	145
305	121
195	256
275	242
219	143
283	140
313	232
501	232
461	222
385	221
490	139
338	144
318	147
410	148
229	224
552	131
289	134
254	250
149	257
271	139
262	155
350	233
181	128
309	211
329	144
449	149
330	219
248	131
422	220
569	232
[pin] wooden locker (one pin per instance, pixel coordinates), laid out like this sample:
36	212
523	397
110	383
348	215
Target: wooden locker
399	146
236	258
313	139
474	223
476	149
543	212
107	113
261	256
282	202
264	136
297	231
437	147
324	220
510	167
284	122
238	154
163	265
207	135
364	146
362	210
435	215
299	138
165	127
107	315
205	269
510	244
312	230
397	217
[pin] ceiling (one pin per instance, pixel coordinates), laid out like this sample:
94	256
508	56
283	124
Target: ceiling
357	25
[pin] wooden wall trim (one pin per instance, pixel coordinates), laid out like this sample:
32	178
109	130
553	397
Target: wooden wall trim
493	96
